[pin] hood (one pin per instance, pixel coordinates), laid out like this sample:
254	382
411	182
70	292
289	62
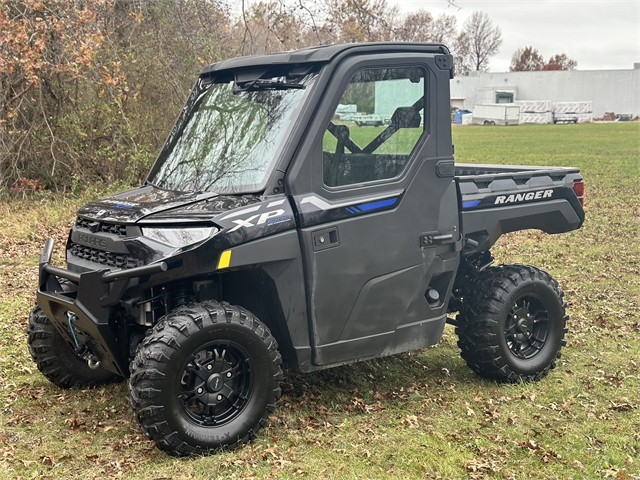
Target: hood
133	205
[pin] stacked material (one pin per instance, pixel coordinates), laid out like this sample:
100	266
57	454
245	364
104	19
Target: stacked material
535	106
573	107
536	117
573	112
535	111
347	109
585	117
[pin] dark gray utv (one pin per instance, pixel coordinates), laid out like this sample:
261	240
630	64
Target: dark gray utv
278	229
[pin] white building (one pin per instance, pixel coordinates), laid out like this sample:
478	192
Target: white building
615	91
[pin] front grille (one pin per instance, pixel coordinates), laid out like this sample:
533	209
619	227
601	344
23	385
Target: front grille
111	259
95	227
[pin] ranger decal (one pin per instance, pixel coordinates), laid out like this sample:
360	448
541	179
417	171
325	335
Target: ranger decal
523	197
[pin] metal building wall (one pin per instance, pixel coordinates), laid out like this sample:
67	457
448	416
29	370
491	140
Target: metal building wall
610	90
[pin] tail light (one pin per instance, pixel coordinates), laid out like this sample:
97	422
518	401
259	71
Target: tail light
578	188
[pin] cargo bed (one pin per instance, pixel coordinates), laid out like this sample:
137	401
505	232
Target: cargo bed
498	199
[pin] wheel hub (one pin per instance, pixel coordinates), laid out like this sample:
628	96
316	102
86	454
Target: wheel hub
523	326
527	326
215	382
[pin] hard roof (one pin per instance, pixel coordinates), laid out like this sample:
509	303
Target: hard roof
323	54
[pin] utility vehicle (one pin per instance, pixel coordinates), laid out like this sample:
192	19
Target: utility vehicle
270	234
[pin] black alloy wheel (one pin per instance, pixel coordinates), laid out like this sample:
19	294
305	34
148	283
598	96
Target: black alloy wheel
527	326
207	376
512	323
216	383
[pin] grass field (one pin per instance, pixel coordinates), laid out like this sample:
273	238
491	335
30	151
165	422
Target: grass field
418	415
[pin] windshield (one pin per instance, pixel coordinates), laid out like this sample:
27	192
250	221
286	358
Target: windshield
229	135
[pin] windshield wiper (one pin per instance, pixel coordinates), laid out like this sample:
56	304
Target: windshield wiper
253	85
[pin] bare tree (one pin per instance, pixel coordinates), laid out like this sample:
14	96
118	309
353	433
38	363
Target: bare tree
415	27
482	40
462	57
420	26
445	29
360	20
270	27
526	60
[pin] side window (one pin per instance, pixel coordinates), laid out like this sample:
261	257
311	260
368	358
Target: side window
376	126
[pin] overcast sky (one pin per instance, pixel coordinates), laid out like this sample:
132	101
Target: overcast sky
599	34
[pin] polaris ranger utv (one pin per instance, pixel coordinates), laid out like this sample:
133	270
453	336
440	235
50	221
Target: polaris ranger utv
270	232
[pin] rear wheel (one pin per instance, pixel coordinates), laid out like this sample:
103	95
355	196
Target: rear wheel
207	376
512	323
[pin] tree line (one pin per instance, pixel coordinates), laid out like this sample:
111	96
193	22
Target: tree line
90	88
528	59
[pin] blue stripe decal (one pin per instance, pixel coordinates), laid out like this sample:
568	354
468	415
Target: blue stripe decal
376	205
473	203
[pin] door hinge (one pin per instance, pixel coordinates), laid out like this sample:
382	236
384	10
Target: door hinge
429	239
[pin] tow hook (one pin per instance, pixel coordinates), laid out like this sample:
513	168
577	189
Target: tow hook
93	362
82	350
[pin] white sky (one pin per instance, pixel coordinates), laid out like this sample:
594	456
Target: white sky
598	34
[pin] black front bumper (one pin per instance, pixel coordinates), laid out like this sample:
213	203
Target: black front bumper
97	293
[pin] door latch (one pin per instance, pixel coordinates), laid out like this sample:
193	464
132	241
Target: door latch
323	239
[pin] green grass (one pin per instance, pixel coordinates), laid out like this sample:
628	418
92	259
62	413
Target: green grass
401	142
418	415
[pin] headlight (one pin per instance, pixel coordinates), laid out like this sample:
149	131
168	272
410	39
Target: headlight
179	237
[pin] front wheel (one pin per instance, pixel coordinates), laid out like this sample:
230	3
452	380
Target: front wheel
207	376
512	323
55	357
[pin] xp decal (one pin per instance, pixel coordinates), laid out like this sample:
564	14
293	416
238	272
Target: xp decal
271	217
262	218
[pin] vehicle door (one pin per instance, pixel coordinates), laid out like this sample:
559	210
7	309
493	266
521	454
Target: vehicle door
378	223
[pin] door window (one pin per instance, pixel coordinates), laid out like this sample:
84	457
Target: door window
375	127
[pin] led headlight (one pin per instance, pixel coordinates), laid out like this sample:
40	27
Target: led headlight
179	237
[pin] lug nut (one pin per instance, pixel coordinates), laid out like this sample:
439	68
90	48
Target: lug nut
219	397
228	374
200	390
209	367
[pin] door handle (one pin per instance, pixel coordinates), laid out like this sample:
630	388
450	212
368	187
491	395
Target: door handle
326	238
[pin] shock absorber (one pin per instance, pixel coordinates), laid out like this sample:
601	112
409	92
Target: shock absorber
179	294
